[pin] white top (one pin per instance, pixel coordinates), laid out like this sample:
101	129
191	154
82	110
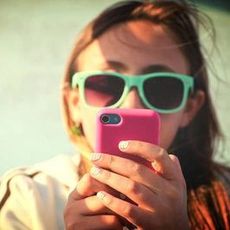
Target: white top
35	197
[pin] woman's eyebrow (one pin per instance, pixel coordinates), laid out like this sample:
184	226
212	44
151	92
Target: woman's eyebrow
118	66
157	68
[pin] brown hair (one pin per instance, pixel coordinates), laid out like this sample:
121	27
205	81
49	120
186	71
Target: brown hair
195	144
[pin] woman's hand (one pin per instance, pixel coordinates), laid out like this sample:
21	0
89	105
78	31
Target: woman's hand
159	193
85	211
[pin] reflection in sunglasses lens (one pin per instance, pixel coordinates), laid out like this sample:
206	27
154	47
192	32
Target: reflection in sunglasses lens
103	90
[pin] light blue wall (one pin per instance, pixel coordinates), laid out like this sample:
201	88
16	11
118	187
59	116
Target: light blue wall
35	40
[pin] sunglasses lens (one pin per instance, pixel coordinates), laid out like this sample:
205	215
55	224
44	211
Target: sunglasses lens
103	90
164	92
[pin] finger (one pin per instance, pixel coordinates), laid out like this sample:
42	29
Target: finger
131	212
159	157
103	222
177	164
88	186
87	207
137	192
175	160
131	169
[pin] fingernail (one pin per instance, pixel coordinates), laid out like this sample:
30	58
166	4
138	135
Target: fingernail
125	228
123	145
95	156
95	170
156	166
104	197
101	195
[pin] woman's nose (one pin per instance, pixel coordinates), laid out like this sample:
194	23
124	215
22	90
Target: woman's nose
132	100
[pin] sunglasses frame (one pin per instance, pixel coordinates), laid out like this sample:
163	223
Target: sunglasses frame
136	81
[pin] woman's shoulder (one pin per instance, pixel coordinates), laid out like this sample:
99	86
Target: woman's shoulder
58	172
32	190
62	168
209	203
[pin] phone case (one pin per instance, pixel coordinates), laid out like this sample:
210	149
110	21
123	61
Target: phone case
135	124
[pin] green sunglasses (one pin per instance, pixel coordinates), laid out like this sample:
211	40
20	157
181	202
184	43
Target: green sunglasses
163	92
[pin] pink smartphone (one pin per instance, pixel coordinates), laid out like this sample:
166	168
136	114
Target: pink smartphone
114	125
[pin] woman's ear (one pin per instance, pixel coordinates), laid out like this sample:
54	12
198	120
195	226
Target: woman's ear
193	105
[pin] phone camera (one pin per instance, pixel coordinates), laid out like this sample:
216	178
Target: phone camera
110	119
105	119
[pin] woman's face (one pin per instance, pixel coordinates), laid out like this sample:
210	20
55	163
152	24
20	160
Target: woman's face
132	48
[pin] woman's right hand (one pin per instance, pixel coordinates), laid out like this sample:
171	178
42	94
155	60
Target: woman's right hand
84	210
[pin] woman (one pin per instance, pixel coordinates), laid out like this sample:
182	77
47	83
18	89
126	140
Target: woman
131	38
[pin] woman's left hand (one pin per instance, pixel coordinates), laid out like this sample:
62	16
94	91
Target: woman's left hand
159	194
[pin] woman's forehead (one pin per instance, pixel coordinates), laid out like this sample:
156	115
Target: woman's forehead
139	33
138	43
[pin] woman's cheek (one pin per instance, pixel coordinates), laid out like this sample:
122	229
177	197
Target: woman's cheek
167	136
169	127
89	126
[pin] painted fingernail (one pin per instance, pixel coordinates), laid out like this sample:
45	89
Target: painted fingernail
156	166
123	145
95	156
95	171
101	195
106	199
125	228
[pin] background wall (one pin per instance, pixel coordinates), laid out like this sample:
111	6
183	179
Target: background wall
36	37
